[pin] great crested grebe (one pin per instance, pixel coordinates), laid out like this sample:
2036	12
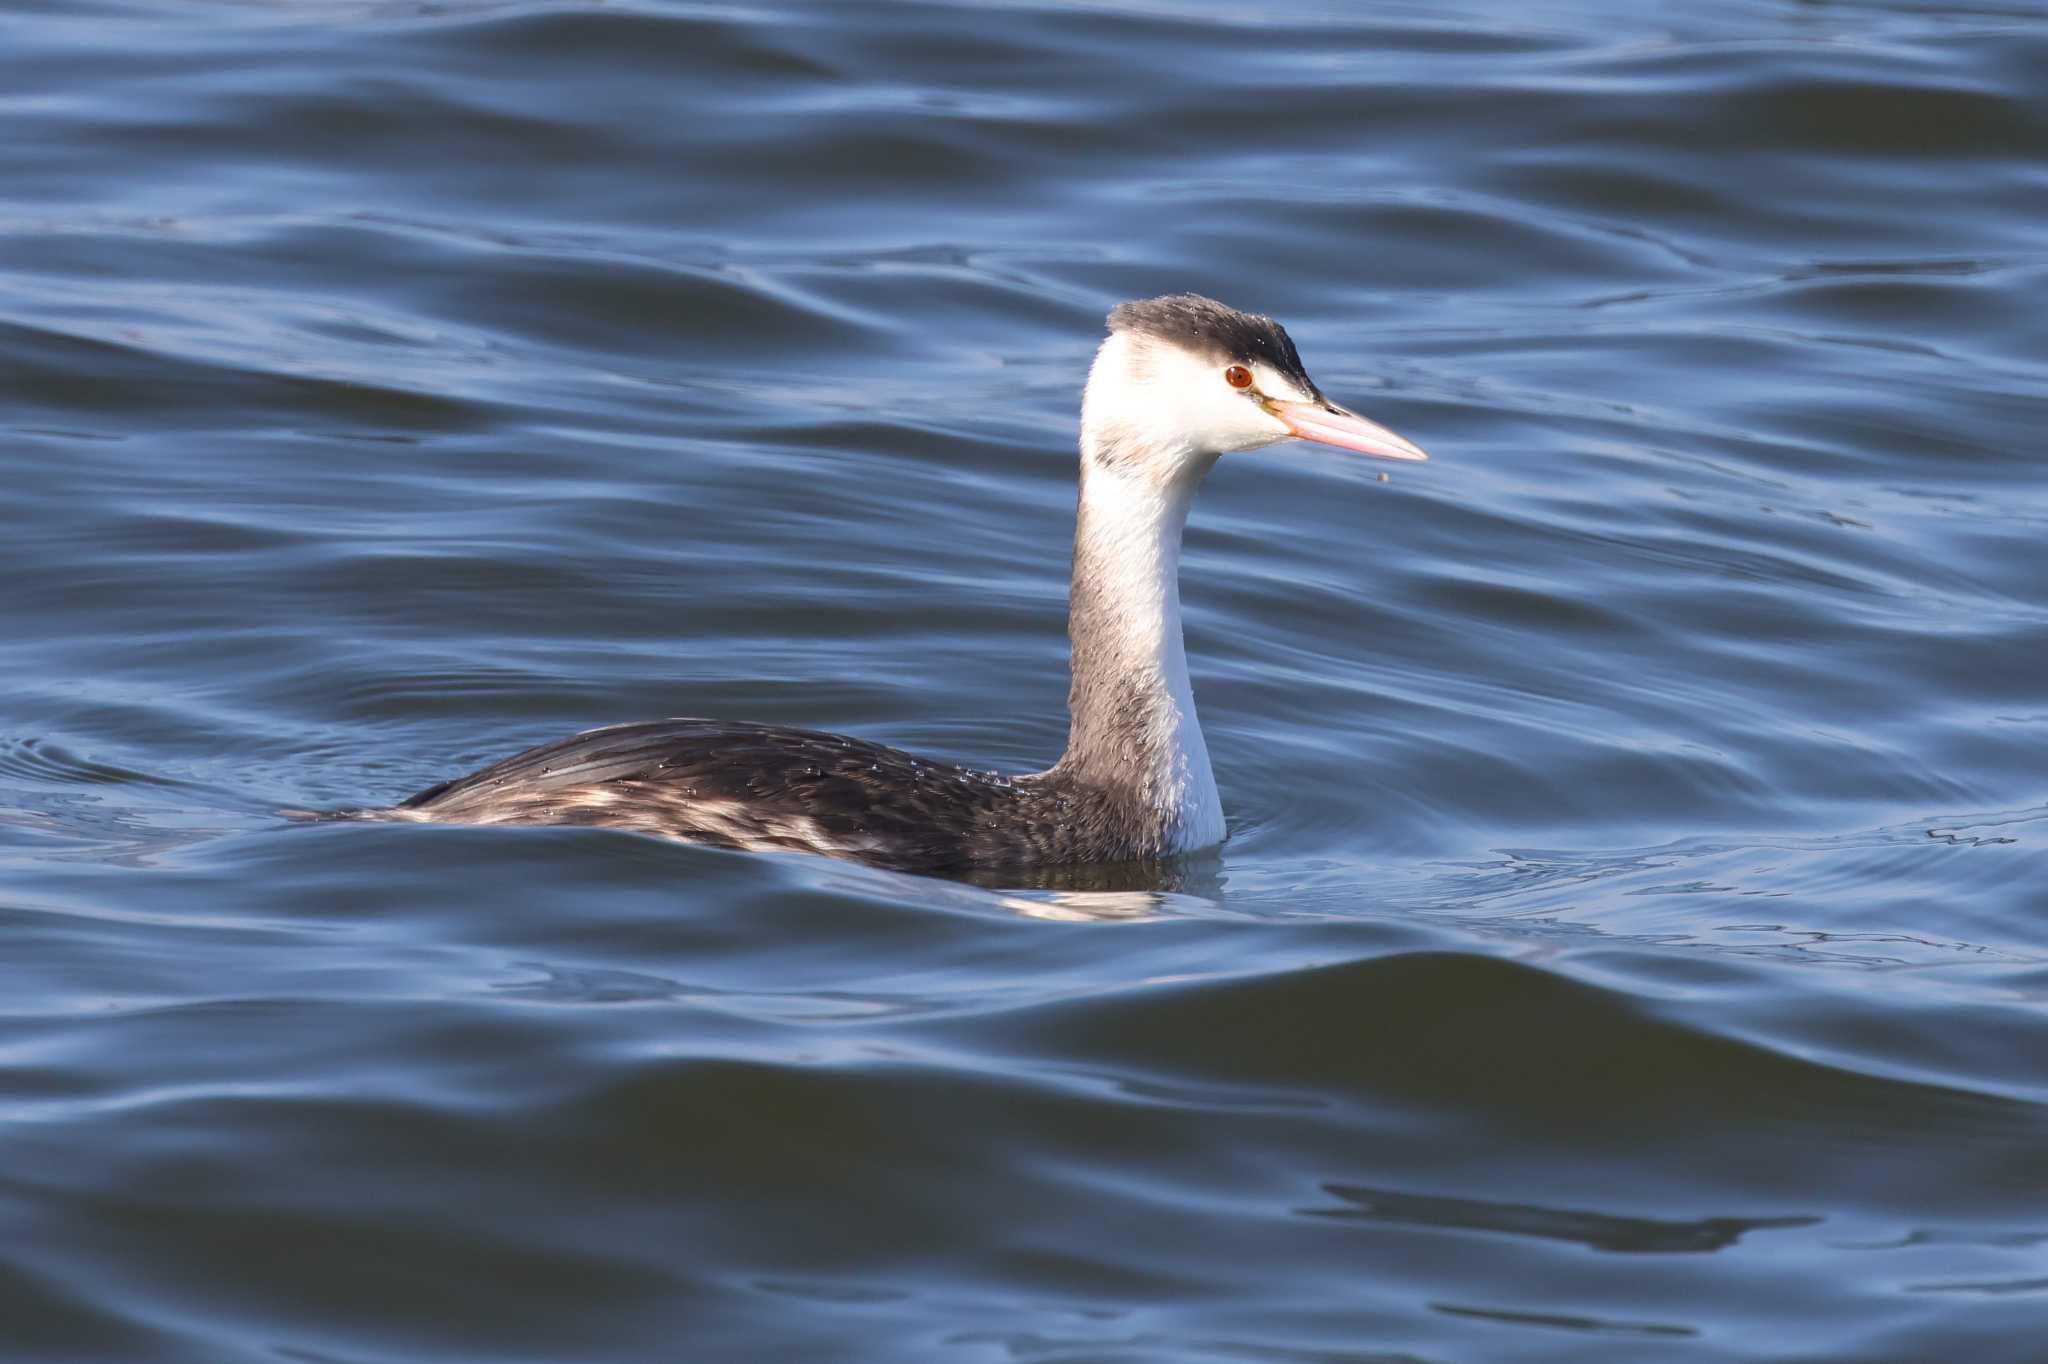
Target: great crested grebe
1179	382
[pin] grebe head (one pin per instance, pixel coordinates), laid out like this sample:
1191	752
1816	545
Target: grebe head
1184	379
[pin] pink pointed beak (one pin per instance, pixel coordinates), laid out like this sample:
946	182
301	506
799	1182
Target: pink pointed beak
1333	425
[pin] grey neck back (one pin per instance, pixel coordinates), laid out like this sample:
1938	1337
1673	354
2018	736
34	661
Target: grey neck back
1134	738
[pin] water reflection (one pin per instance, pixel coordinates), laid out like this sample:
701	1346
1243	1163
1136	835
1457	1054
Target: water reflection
1597	1231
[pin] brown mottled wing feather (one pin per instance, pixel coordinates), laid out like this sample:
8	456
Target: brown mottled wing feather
750	786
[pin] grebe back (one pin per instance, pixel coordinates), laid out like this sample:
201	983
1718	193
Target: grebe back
1179	382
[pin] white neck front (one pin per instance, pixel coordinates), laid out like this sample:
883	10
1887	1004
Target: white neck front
1133	712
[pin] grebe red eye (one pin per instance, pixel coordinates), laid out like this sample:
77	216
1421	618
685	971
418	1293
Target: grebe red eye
1237	376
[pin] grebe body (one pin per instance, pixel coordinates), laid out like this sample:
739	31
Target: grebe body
1179	382
769	787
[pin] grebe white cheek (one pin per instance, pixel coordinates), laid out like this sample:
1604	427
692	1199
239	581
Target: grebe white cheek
1178	382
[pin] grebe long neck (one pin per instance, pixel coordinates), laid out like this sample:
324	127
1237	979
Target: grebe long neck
1134	731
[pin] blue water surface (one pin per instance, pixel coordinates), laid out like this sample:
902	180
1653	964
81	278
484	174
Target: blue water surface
1632	943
